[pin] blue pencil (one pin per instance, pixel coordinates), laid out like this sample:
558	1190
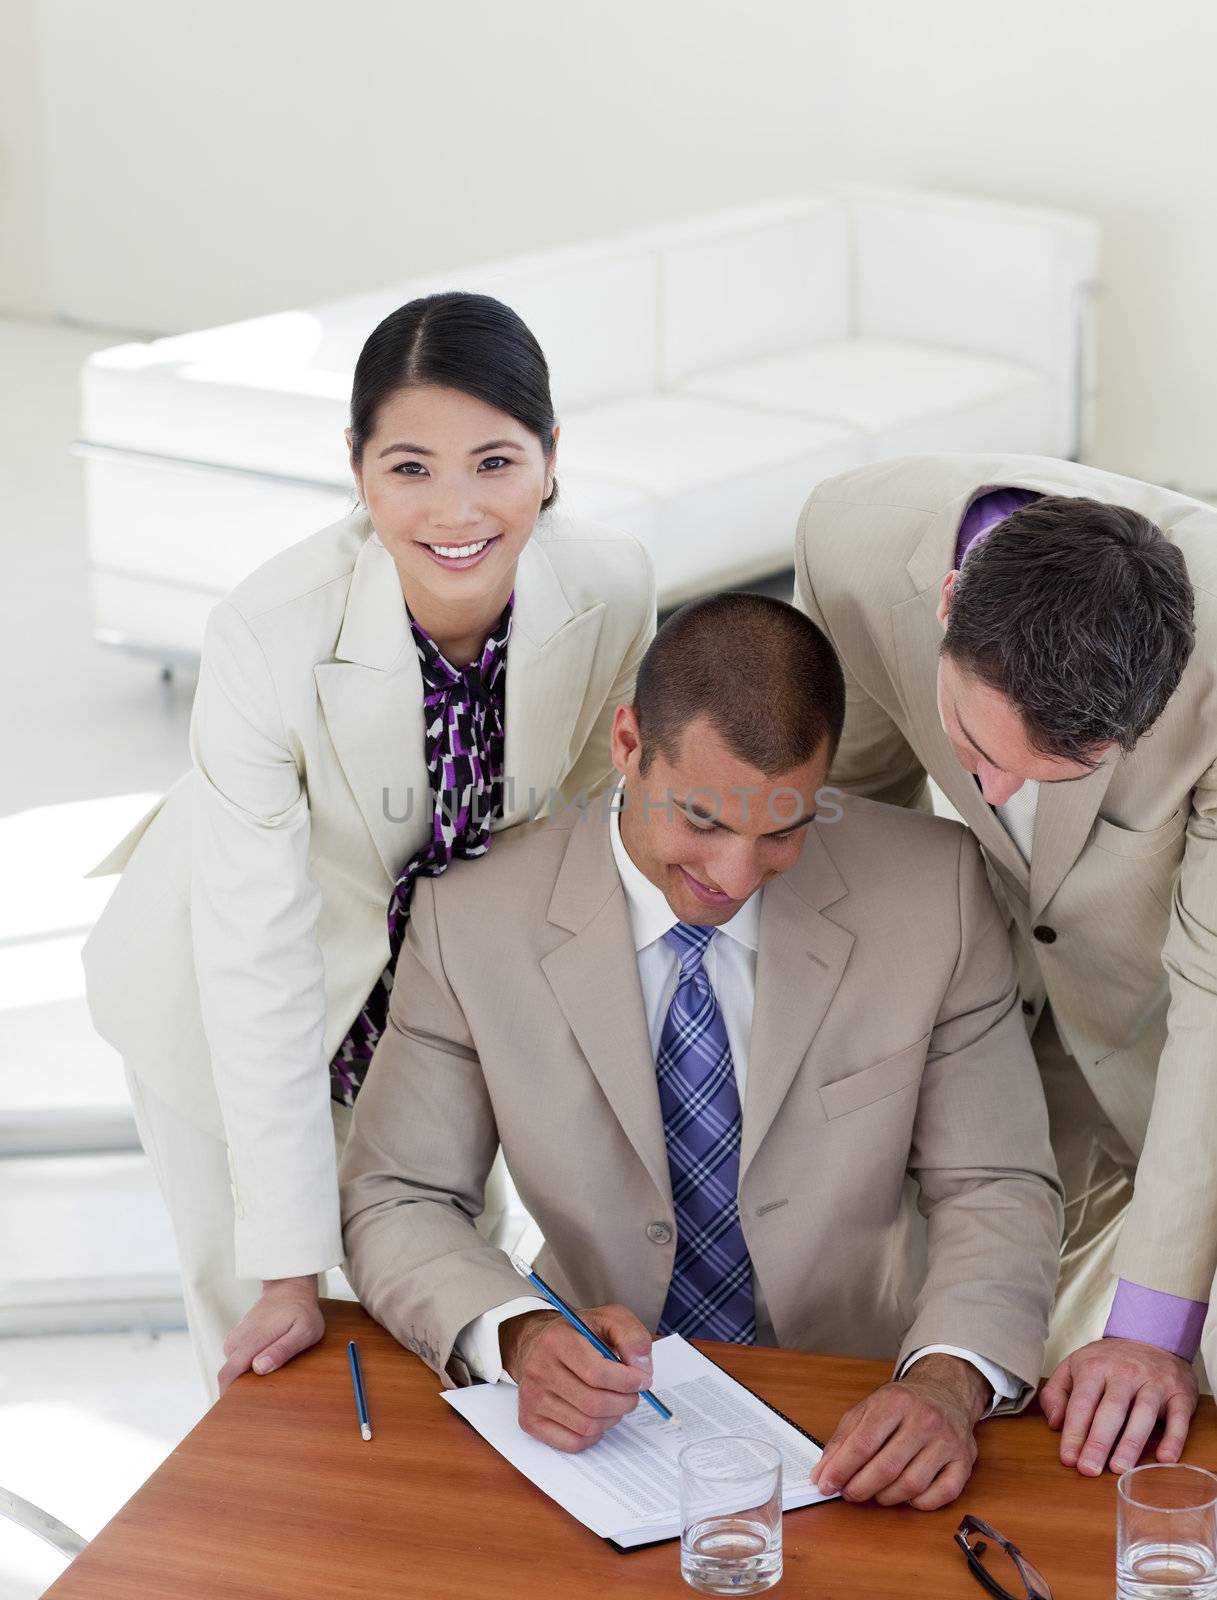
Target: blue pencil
361	1394
578	1324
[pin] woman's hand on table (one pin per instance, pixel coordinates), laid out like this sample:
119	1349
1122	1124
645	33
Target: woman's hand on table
286	1320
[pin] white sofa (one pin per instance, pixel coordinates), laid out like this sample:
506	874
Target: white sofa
706	375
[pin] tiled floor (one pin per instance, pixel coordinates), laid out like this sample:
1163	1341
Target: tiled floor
88	736
84	1419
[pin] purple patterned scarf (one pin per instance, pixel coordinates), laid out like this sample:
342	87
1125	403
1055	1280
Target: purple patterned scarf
464	713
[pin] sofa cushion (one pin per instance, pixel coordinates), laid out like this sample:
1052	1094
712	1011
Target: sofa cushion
753	282
602	500
593	309
977	275
906	398
730	481
1008	281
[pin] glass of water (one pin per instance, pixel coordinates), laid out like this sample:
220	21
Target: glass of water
1166	1534
731	1515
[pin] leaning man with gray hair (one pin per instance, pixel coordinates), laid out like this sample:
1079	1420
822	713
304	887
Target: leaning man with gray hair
1040	639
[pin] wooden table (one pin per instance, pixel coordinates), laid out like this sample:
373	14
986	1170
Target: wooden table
275	1494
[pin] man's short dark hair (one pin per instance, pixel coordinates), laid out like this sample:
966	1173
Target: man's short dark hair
761	672
1081	614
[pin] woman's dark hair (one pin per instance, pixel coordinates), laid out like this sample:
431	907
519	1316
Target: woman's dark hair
455	341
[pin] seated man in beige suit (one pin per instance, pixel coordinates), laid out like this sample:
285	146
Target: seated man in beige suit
1040	639
724	1049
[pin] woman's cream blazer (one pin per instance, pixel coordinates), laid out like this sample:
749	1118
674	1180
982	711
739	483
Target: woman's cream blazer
249	923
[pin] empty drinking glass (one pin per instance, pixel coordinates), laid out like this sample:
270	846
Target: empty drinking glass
1166	1534
731	1515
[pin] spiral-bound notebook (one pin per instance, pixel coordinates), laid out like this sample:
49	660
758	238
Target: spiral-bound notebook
624	1487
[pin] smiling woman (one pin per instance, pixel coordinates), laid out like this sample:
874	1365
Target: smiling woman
373	704
447	485
463	502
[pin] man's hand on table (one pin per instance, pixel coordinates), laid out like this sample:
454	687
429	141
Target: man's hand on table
569	1393
286	1320
912	1440
1105	1398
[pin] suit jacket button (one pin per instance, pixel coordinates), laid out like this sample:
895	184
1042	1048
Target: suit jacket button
659	1233
1045	934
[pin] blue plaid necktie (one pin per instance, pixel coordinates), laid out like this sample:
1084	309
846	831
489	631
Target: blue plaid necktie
710	1296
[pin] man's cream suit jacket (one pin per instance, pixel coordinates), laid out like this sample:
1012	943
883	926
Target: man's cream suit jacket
887	1044
1124	863
229	989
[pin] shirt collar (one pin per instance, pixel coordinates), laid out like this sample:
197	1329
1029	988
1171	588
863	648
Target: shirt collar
984	514
650	914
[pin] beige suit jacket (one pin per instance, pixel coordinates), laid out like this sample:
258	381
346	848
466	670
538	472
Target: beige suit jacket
1124	863
250	922
886	1045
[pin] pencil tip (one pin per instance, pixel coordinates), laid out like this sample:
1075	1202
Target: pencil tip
366	1429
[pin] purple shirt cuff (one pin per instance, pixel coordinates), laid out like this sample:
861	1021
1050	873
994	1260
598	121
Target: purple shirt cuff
1156	1318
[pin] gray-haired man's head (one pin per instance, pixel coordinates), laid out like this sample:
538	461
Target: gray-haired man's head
1067	632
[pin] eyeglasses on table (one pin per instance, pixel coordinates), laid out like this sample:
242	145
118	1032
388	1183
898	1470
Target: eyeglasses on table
1004	1571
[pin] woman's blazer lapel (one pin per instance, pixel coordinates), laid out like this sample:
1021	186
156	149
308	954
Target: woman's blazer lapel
372	698
549	665
371	695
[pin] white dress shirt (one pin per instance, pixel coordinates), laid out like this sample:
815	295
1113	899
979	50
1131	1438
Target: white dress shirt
730	965
1017	816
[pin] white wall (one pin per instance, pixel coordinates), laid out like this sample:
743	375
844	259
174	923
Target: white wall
23	230
209	162
1103	106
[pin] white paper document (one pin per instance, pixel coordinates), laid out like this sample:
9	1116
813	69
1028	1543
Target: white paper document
625	1487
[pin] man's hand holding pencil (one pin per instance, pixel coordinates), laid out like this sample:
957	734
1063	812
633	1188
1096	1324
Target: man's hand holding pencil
569	1394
